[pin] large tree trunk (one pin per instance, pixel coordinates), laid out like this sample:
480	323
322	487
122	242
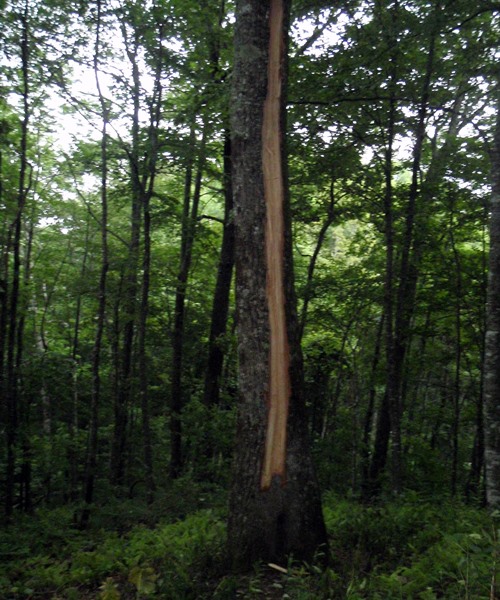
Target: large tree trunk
275	507
492	338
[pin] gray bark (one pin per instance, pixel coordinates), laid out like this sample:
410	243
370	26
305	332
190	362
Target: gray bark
267	521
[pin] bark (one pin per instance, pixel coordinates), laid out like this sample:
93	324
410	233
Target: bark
491	396
275	507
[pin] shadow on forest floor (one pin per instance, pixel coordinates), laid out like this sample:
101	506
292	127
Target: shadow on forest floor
175	549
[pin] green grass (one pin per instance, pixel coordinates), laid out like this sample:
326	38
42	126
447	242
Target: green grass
409	549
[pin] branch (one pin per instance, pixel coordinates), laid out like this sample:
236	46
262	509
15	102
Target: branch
210	218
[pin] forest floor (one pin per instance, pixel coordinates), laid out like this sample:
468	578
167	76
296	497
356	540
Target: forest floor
422	548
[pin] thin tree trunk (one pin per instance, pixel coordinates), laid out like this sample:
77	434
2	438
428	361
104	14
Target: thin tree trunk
143	363
368	424
190	216
91	462
12	374
491	397
330	216
473	486
380	449
407	277
75	363
220	307
458	359
119	450
439	417
383	429
26	501
4	293
147	186
330	414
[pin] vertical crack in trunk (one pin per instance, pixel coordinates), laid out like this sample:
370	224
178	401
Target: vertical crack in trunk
279	356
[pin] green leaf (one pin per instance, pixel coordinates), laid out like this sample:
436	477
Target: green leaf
109	590
144	579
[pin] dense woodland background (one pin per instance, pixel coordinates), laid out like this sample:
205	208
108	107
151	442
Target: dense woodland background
118	340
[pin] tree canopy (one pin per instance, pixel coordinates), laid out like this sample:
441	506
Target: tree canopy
118	318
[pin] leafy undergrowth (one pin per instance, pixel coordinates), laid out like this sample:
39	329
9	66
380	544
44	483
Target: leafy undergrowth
410	549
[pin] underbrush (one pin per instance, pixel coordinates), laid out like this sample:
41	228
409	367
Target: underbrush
412	549
409	549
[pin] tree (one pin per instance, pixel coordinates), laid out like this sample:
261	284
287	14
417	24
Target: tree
275	508
91	459
14	342
492	341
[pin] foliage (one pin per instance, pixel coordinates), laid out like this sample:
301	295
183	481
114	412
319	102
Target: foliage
345	103
414	547
166	561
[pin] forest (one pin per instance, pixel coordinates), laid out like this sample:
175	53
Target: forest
250	299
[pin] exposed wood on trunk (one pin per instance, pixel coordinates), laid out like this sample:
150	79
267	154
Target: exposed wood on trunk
279	353
273	523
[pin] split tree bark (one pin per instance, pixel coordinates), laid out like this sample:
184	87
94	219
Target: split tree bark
275	507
